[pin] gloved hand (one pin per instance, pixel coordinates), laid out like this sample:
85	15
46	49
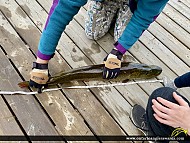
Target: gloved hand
112	64
39	76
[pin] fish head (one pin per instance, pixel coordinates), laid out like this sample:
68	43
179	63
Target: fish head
132	71
150	71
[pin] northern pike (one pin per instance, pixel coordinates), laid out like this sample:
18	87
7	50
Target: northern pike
128	71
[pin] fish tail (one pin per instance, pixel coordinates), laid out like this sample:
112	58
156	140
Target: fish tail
23	84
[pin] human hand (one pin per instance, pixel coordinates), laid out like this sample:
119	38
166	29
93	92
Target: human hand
112	64
172	114
39	76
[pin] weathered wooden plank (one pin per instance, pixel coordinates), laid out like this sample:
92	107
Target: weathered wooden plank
174	29
8	124
20	21
67	120
109	121
161	51
26	108
29	7
171	42
186	2
181	7
46	4
176	16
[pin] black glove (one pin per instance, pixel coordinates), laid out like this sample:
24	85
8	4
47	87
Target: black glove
39	76
112	64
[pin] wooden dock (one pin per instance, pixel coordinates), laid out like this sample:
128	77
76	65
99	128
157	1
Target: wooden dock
92	112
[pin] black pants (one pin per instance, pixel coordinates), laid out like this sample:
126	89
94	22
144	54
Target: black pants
158	128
